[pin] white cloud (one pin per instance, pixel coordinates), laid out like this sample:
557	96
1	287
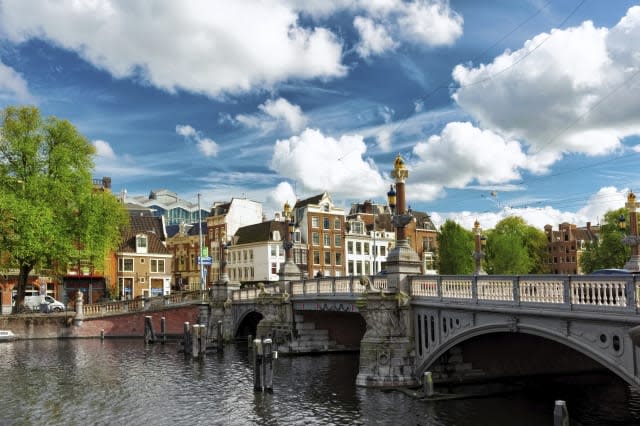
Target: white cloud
13	85
281	109
322	163
606	199
374	38
462	154
383	23
282	193
201	46
103	149
208	147
567	91
274	113
430	22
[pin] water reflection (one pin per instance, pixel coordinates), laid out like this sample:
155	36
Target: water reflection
78	382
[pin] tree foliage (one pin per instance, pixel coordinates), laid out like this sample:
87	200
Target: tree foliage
514	247
455	249
51	214
608	251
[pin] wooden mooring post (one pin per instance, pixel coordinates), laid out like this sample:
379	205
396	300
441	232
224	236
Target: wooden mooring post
263	356
560	414
149	333
219	337
163	329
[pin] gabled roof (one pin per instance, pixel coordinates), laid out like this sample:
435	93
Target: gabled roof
260	232
152	227
311	200
423	220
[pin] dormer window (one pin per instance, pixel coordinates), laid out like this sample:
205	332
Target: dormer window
141	243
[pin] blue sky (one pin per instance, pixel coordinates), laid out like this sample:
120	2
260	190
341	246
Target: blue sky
500	108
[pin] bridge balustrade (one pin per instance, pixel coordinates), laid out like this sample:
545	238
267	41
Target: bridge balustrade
599	292
122	306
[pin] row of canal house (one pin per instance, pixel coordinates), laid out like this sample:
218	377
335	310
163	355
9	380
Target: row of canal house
326	241
155	258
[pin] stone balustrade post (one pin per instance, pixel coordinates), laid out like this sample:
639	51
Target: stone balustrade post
79	309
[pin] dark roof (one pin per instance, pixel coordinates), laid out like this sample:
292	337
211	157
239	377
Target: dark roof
259	232
222	208
423	220
195	230
151	226
172	230
311	200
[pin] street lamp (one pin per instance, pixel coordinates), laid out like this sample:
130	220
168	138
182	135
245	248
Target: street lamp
480	243
633	264
391	198
289	270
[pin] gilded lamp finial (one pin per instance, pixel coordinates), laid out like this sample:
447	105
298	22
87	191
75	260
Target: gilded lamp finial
286	209
400	171
631	197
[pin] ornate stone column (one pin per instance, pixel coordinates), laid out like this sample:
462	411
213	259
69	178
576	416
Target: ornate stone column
478	254
386	350
289	271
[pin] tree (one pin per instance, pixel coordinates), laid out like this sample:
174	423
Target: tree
50	210
608	251
455	249
514	247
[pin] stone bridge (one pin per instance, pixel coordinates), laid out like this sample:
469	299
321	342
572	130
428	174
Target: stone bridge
459	327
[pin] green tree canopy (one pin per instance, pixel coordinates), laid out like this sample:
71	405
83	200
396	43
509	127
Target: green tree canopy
455	248
608	251
515	247
52	213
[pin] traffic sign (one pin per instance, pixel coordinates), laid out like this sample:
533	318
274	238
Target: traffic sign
204	260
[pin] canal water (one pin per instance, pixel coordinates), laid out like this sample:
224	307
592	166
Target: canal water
124	382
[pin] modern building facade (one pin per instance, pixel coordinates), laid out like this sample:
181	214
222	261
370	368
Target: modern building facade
167	204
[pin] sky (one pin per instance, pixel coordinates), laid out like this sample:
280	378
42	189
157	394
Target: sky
498	107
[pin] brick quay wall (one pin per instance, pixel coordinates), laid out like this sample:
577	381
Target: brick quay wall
61	325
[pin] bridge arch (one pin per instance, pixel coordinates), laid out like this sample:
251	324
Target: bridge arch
596	351
247	323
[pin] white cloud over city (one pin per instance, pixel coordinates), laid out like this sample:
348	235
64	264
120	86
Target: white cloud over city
319	163
571	90
274	113
207	147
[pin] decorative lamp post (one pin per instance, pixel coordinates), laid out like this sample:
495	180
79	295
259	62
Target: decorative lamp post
633	264
478	254
224	275
289	270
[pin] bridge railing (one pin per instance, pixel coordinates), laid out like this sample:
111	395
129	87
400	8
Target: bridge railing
337	285
591	292
126	306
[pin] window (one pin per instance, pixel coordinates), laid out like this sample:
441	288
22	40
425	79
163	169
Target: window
356	227
327	240
316	257
383	251
315	238
125	265
350	268
141	243
366	248
336	224
349	247
274	250
325	223
157	265
338	258
358	247
367	267
359	268
337	240
327	258
314	221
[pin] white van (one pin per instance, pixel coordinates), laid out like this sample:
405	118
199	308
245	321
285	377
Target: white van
51	304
